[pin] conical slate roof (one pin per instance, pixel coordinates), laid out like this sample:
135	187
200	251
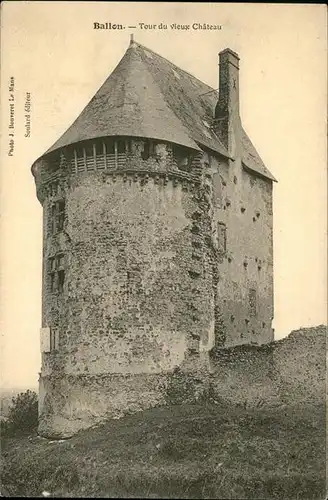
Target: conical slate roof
148	96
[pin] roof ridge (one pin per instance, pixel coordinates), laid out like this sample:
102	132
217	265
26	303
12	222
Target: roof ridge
173	64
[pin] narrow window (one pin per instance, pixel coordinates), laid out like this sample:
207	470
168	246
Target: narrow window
61	280
217	191
52	274
57	216
222	237
60	215
252	302
53	219
54	339
56	273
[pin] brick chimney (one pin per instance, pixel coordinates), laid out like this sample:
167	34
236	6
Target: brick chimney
226	118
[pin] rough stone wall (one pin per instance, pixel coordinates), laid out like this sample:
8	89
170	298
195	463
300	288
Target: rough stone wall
241	203
300	359
72	403
148	286
136	299
288	372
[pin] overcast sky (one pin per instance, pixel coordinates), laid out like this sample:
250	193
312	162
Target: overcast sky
53	52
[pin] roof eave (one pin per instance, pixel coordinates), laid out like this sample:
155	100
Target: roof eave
259	174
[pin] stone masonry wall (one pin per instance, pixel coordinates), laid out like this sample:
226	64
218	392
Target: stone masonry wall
240	203
135	300
75	402
147	287
288	372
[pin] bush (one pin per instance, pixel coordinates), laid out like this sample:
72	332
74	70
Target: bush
23	414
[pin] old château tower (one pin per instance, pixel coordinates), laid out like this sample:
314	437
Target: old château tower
157	239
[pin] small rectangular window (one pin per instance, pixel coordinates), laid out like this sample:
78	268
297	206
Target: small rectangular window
61	215
252	301
61	280
52	282
57	216
56	270
52	264
54	339
53	219
222	237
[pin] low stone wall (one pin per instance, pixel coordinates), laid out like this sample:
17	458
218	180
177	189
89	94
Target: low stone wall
289	372
300	360
245	375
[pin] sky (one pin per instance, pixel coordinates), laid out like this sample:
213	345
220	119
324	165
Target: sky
54	54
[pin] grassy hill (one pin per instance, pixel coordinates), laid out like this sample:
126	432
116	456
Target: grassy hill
183	451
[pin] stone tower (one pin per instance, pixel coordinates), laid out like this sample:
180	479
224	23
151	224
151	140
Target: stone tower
157	239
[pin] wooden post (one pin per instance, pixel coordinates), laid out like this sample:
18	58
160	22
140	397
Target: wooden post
94	155
75	160
105	154
115	153
85	159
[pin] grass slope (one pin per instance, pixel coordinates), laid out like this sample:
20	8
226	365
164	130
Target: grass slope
189	451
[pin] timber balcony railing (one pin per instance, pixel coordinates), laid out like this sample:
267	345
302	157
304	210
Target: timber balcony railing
116	156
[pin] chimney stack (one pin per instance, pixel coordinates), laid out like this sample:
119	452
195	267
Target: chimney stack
226	116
